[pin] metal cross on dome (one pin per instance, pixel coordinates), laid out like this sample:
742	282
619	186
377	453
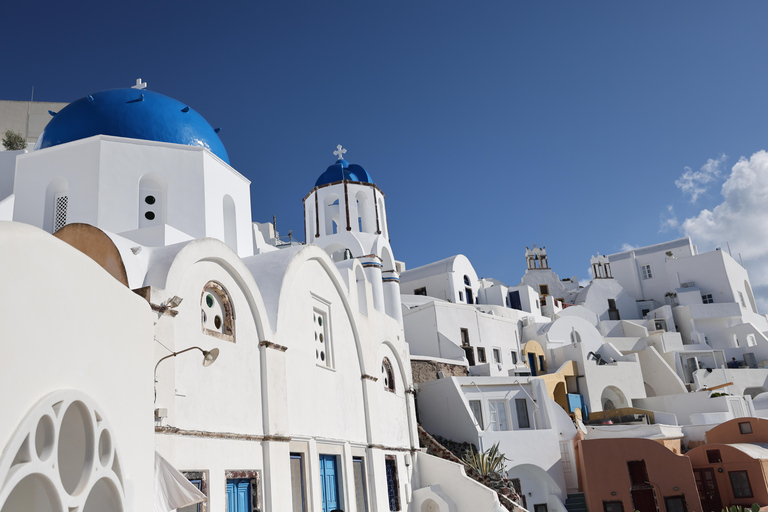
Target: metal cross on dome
139	84
339	151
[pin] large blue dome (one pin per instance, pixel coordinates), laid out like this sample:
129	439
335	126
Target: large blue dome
135	114
343	170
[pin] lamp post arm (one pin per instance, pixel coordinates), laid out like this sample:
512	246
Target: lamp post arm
174	355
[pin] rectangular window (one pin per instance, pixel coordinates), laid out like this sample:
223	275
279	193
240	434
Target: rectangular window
477	411
745	427
242	491
323	342
514	357
464	337
521	404
707	298
481	355
540	507
200	480
497	355
60	212
740	484
420	291
646	270
675	503
298	489
361	493
713	456
393	490
498	410
741	299
544	289
461	296
613	506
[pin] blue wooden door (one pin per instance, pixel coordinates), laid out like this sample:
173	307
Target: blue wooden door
532	363
239	495
329	476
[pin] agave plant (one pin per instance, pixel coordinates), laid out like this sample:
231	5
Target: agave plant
488	462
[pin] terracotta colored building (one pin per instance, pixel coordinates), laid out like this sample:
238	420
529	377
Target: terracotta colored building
624	475
731	469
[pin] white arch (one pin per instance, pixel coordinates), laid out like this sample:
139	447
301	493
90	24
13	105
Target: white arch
365	213
615	396
331	209
213	250
314	253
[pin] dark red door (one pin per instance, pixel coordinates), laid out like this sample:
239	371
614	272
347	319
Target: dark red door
644	499
709	494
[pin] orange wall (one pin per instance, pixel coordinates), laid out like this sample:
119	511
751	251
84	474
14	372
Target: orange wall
733	460
603	470
729	432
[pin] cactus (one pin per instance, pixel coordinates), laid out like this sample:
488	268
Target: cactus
755	507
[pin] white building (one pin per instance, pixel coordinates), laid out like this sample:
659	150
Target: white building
533	432
27	118
305	398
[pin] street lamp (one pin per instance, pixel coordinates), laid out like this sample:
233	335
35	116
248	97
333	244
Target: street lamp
209	356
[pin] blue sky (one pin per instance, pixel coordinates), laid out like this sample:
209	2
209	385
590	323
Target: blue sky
490	126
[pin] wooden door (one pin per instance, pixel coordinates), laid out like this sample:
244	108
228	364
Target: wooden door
330	482
709	494
239	495
644	499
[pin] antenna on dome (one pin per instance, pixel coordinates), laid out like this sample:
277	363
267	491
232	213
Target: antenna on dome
139	84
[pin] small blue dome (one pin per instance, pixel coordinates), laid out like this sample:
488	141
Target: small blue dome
135	114
343	170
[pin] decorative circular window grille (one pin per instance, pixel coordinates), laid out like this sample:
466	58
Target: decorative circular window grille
62	457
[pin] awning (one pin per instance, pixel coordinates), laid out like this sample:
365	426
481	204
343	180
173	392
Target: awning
172	489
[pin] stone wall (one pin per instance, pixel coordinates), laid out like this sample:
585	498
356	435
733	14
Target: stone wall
424	371
454	452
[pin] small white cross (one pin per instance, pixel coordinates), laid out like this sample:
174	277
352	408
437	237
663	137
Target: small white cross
139	84
339	151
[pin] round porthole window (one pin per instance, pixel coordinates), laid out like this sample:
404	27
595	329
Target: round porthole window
209	300
217	322
149	215
149	199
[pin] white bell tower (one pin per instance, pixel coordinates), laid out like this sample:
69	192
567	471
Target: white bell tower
345	214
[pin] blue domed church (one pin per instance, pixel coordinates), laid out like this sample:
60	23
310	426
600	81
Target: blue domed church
165	352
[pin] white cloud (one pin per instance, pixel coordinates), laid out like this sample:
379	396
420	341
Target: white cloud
695	183
628	247
741	219
669	221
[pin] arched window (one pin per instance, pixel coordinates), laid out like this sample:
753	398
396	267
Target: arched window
388	375
230	223
331	214
216	312
365	214
468	290
56	205
152	207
